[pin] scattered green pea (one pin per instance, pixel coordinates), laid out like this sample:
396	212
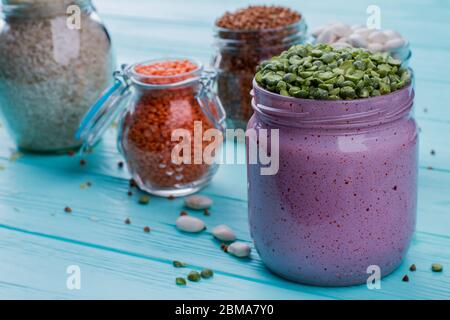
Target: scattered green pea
144	199
437	267
179	264
207	273
180	281
194	276
323	72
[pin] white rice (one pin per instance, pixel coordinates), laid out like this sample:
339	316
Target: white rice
49	76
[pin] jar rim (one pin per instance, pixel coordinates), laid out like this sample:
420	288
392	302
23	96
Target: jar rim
40	9
300	22
363	112
184	78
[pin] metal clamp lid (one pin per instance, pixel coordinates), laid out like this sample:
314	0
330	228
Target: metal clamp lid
207	99
102	114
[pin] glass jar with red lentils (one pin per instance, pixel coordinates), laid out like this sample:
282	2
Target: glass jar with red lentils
171	124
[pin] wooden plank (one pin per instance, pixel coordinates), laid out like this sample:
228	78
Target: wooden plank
34	266
25	209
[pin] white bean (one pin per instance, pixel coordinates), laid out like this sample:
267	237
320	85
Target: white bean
377	37
224	233
327	36
375	47
364	32
341	30
392	34
357	41
239	249
190	224
198	202
394	44
318	31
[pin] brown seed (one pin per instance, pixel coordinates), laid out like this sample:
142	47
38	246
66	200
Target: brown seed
147	229
133	183
68	210
71	153
183	213
206	212
82	162
412	267
405	278
127	221
171	197
120	164
258	18
130	193
224	247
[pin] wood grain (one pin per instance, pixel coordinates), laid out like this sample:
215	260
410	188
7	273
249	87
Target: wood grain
38	240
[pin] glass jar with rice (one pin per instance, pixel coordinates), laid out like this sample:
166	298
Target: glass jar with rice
55	59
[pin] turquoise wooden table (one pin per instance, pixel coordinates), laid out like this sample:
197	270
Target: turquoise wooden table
39	241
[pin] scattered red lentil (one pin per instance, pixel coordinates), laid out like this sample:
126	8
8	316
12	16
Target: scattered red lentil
405	278
171	197
224	247
206	212
82	162
71	153
413	268
68	210
130	193
147	229
127	221
183	213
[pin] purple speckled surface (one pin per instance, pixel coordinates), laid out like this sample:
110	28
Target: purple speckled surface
346	192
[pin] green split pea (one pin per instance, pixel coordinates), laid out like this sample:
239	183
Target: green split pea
323	72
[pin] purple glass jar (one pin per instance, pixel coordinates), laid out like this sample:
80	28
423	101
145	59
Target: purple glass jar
345	195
